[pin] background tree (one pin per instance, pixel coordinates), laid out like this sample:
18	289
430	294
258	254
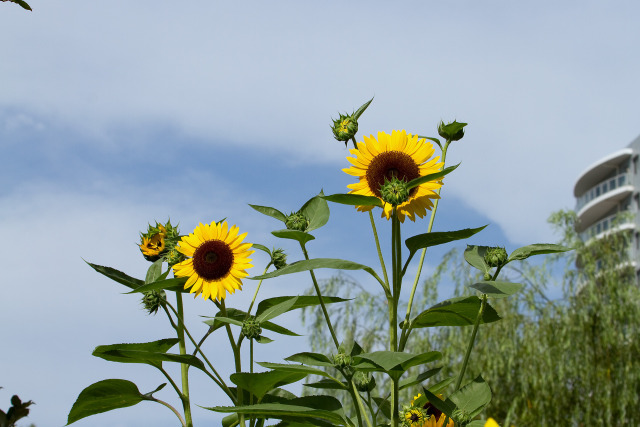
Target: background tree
573	360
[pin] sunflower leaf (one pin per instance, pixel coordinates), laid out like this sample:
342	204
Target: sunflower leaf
426	240
117	276
474	255
261	247
300	302
104	396
154	271
239	316
272	212
363	107
300	236
276	310
354	200
316	210
473	397
431	177
175	284
459	311
260	383
497	289
536	249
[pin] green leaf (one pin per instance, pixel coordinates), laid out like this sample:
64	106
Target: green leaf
474	255
439	386
313	359
161	346
259	383
261	247
300	302
417	379
497	289
384	405
104	396
239	316
323	407
316	210
393	363
23	4
354	200
536	249
300	236
361	110
154	271
117	276
445	406
436	140
263	340
230	420
431	177
276	310
473	397
328	384
438	238
272	212
314	264
289	367
460	311
175	284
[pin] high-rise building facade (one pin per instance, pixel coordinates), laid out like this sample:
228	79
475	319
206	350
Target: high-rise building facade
607	188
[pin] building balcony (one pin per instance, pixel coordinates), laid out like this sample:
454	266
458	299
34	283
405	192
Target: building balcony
606	225
597	172
602	198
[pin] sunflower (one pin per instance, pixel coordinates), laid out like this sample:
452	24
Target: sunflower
439	422
218	260
399	155
152	246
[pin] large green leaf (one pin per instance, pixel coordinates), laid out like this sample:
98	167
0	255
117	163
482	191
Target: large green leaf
417	379
154	271
289	367
328	384
497	289
316	263
313	359
117	276
438	238
391	362
536	249
238	316
276	310
327	408
300	302
473	397
445	406
460	311
431	177
299	236
272	212
259	383
104	396
474	255
354	200
316	210
175	284
152	353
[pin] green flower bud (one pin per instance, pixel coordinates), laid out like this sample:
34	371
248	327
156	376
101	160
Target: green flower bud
345	127
297	221
341	360
158	240
487	276
495	257
153	300
278	258
394	191
251	328
364	381
453	131
461	417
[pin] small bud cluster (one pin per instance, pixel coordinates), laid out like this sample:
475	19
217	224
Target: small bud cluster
297	221
153	300
495	257
453	131
278	258
363	381
394	191
341	360
159	241
345	127
251	328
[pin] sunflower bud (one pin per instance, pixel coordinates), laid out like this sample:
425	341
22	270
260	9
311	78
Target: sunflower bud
461	417
153	300
297	221
158	240
394	191
278	258
251	328
495	257
345	127
453	131
341	360
364	381
174	256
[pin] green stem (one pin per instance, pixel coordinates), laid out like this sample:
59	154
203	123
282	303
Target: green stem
357	397
255	294
393	310
405	331
324	308
184	367
375	235
371	411
236	358
162	402
465	362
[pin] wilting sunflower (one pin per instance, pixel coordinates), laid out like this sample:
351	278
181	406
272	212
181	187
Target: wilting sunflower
399	155
218	260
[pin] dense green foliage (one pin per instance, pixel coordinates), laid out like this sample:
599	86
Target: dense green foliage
567	360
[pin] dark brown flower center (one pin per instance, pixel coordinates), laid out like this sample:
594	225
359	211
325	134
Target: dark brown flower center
213	259
390	164
432	410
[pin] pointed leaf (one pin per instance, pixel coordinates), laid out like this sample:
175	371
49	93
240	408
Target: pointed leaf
154	271
259	383
175	284
536	249
239	316
328	384
104	396
389	361
263	340
438	238
361	110
272	212
431	177
117	276
445	406
316	210
473	397
300	236
438	387
313	359
354	200
24	4
417	379
474	255
289	367
162	346
460	311
300	302
384	405
497	289
276	310
262	248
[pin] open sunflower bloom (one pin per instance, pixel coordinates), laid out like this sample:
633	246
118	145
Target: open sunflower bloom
217	261
400	155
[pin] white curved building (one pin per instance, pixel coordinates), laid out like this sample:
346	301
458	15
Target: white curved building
606	188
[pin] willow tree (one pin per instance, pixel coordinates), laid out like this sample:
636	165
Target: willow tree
571	360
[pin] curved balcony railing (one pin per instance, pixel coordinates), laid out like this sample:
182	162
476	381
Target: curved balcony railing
603	188
602	226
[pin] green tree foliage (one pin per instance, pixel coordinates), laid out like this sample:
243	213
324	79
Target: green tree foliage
572	360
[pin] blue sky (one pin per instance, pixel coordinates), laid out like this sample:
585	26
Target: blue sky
113	115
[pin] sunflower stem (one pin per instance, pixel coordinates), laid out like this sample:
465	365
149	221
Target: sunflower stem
375	235
184	368
357	397
472	340
255	294
404	336
320	299
236	358
393	310
162	402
